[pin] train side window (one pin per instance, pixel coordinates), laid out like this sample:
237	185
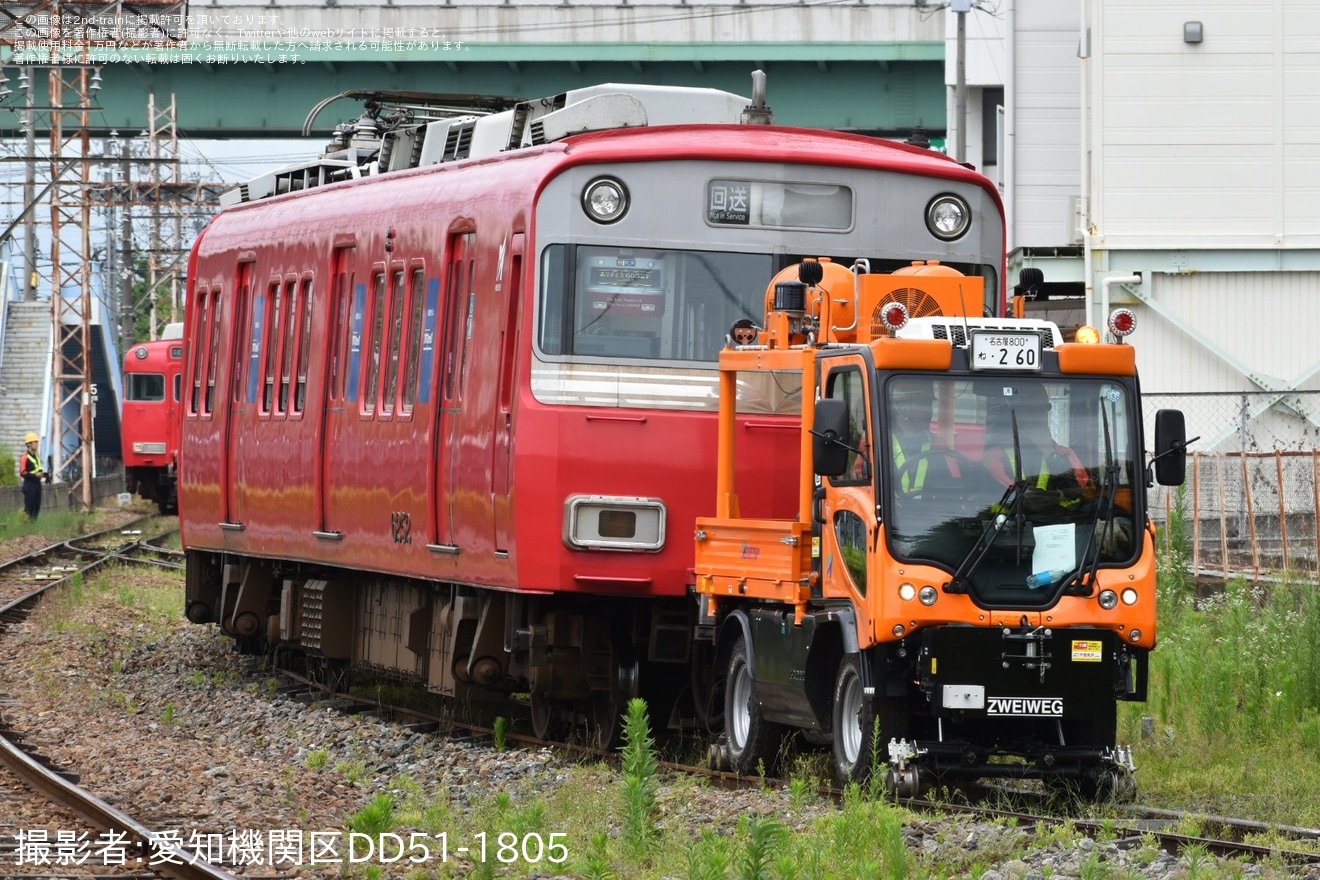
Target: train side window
269	344
510	333
213	353
200	337
304	345
394	350
456	305
417	302
372	362
288	338
244	311
339	336
177	388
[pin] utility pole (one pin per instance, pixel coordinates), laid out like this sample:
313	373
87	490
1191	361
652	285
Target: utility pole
960	9
29	188
127	314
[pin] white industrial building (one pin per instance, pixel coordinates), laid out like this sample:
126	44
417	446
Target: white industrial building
1164	157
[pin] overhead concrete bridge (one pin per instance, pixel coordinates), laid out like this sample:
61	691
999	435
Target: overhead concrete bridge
874	66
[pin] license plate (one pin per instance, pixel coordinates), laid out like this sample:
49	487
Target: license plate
998	350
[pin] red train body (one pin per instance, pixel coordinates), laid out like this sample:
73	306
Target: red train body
151	419
447	423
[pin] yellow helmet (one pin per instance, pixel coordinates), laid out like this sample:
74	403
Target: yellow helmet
32	438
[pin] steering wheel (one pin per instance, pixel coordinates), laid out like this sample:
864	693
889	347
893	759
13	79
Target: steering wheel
955	463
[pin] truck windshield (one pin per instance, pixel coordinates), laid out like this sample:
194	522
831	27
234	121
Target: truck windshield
1011	477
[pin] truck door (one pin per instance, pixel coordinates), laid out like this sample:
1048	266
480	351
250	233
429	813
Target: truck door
848	532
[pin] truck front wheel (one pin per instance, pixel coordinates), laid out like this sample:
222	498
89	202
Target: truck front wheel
863	725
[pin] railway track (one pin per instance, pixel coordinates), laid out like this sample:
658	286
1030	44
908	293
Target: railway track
89	837
23	580
1222	836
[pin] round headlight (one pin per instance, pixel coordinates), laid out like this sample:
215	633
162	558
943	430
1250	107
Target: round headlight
141	352
1108	600
907	592
898	630
948	217
605	200
1134	635
1129	596
928	595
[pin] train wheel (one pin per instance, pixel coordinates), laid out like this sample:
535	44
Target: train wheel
1118	785
748	736
905	783
547	717
606	723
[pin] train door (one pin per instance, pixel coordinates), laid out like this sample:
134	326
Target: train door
459	302
244	343
508	286
332	408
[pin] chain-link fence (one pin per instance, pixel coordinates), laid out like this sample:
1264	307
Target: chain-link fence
1253	481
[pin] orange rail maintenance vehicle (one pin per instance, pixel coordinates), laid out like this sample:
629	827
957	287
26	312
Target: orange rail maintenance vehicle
968	589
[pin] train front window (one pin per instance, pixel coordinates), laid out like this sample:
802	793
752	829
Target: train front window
145	387
646	303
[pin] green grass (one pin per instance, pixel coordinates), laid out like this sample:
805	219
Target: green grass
1234	701
57	525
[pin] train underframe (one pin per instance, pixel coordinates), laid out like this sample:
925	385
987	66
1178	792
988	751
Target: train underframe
156	484
751	674
577	660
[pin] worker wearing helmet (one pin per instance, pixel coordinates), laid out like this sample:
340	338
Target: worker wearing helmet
33	473
1045	464
913	403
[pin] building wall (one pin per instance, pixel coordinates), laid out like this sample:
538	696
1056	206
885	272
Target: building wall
1206	166
1210	144
1047	124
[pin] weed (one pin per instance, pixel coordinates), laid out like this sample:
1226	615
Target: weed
596	864
355	771
375	819
639	766
798	792
708	858
761	848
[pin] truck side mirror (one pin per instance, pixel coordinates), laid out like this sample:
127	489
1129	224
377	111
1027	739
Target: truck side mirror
829	450
1170	447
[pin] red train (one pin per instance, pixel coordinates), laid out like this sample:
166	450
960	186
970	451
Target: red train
151	419
451	389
